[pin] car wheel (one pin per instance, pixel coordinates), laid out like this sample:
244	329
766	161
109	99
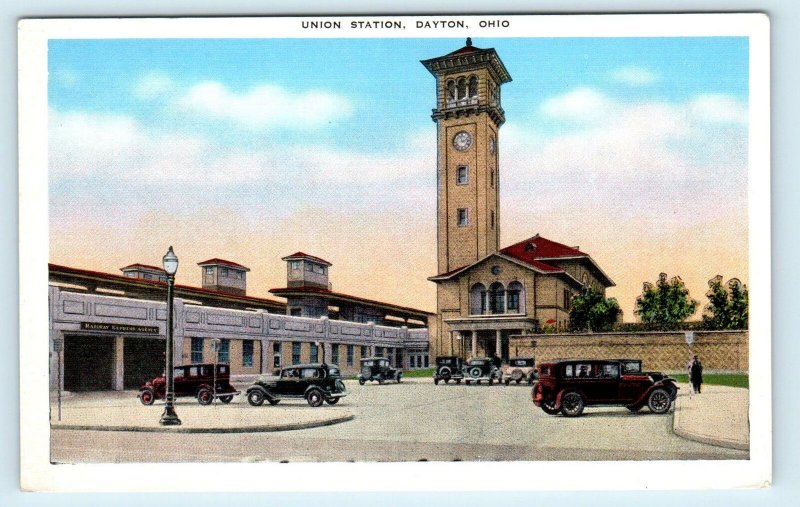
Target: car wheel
436	381
491	381
475	372
658	402
508	381
332	401
273	401
572	404
205	396
314	397
458	381
256	398
519	380
380	379
549	408
447	381
226	399
530	380
361	381
399	377
468	382
147	397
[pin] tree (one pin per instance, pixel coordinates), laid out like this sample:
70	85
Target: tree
728	304
593	311
665	304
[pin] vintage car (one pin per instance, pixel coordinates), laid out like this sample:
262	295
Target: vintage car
481	368
378	369
518	369
448	368
568	386
193	380
315	383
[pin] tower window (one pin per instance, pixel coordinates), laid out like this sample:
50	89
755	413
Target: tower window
463	217
462	175
295	265
491	180
492	218
450	94
473	90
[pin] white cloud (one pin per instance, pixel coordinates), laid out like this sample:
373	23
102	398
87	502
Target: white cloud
579	105
266	106
153	85
634	76
717	108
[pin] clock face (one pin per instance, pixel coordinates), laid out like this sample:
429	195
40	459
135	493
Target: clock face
462	141
496	270
492	146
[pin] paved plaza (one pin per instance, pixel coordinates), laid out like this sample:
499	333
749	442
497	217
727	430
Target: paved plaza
412	421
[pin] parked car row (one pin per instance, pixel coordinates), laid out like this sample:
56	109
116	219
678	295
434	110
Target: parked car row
564	386
484	369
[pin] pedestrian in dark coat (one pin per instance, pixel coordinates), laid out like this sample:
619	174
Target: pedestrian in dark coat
696	375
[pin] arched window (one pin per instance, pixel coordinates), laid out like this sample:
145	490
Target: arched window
515	297
477	299
473	90
450	93
462	88
585	281
497	298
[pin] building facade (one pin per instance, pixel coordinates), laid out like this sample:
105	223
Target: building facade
107	332
486	294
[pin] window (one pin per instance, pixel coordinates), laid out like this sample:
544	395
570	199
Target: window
398	359
295	265
225	272
378	351
462	175
318	269
209	270
426	360
197	350
364	352
335	353
450	93
314	353
473	89
350	353
224	352
296	312
497	298
130	274
296	352
463	217
238	274
310	373
276	355
514	297
492	218
309	267
477	299
247	353
491	179
461	90
567	299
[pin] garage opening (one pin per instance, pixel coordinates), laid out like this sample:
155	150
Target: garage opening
144	360
88	363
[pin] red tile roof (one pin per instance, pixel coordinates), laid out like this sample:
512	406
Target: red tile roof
145	266
188	289
223	262
301	255
534	249
288	291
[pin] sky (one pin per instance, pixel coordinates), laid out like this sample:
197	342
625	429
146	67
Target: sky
634	149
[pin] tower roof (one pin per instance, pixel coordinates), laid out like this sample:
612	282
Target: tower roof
302	255
223	262
467	58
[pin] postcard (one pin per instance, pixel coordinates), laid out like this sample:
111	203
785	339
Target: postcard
526	252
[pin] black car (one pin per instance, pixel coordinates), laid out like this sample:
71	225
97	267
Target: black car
378	369
481	368
315	383
448	368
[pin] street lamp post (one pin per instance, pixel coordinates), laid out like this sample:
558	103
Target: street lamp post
215	345
169	417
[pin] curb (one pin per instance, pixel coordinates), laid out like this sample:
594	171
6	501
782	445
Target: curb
182	429
703	439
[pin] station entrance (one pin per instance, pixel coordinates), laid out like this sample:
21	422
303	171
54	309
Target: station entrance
143	361
88	363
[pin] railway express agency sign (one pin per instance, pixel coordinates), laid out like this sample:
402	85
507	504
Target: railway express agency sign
118	328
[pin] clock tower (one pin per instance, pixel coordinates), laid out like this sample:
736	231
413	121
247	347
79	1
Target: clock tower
468	116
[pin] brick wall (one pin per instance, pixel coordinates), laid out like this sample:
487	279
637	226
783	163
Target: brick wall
665	351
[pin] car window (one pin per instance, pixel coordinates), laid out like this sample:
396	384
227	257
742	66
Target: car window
580	370
194	371
223	368
367	363
334	372
609	370
310	373
631	367
291	373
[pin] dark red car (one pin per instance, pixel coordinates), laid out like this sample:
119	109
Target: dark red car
195	380
570	385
